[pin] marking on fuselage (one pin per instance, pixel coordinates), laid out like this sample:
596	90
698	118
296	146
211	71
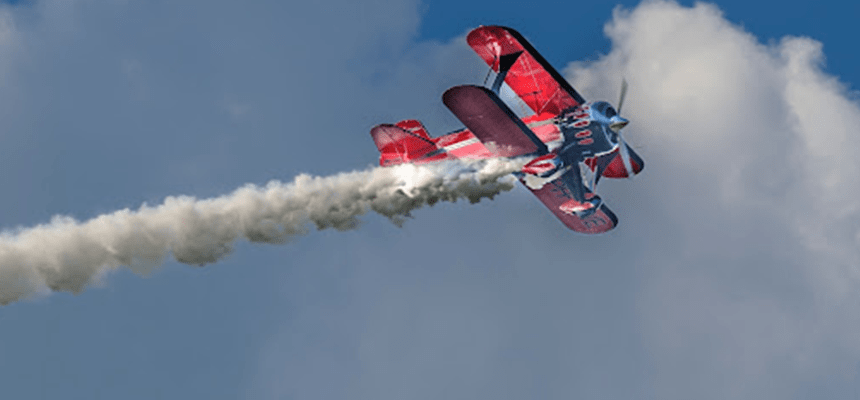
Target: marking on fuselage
582	134
460	145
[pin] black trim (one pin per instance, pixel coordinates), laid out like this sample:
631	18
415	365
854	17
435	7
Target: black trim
414	135
542	61
609	214
506	61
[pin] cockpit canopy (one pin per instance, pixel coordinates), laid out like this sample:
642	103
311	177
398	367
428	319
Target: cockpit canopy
604	108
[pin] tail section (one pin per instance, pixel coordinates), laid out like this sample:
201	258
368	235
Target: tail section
415	127
406	141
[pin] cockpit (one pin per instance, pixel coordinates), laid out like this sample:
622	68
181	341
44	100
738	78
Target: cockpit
604	108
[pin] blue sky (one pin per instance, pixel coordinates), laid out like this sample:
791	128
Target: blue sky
732	272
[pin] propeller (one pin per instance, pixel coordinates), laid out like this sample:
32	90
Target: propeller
616	123
623	94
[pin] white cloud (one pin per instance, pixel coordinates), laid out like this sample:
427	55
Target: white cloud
751	249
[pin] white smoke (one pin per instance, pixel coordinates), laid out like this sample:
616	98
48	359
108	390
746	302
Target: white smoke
67	255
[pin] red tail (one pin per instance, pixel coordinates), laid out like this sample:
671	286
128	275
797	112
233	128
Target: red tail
404	142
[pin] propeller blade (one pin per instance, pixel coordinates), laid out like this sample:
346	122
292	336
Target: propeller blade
623	94
625	156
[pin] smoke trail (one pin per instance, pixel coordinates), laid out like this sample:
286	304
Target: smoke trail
67	255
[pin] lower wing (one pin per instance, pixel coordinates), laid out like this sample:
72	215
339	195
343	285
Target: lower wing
556	193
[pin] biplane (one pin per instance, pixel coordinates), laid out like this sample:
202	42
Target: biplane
569	143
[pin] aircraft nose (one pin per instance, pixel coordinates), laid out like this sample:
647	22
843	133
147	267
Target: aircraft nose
616	123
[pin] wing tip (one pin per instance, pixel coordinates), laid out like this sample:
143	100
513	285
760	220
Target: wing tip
491	30
602	221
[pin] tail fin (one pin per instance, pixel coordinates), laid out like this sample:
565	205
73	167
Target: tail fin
404	142
414	126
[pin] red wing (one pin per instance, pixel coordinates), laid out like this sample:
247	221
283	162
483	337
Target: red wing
492	122
555	193
531	77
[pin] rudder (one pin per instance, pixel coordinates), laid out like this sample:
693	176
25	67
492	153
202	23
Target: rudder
398	145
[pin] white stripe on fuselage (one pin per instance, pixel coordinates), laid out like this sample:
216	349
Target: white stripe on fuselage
460	145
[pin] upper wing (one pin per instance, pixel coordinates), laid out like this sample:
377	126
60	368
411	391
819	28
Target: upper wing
492	122
531	77
556	192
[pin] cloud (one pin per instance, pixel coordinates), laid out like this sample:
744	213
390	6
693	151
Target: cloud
746	214
732	274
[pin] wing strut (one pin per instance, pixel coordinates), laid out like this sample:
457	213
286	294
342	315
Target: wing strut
505	63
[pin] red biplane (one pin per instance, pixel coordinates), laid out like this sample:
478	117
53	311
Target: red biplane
571	143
